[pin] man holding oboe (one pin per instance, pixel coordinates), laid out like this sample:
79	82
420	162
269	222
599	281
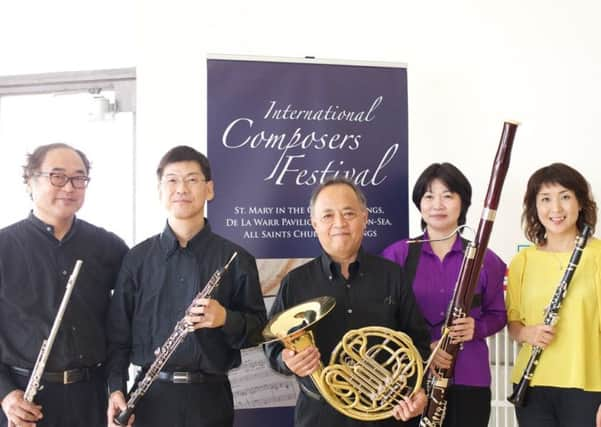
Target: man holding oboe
158	281
37	256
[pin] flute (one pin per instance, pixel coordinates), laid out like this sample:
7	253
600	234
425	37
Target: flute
34	383
180	332
467	281
33	386
518	397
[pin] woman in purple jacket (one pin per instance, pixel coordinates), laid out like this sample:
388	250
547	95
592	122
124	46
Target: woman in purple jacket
432	262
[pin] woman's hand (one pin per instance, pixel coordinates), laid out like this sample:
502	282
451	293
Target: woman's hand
441	360
537	335
462	330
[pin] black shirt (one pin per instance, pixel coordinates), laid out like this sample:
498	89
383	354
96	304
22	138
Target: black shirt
34	270
376	294
158	281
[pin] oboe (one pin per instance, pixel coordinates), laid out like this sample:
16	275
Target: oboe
180	332
518	397
33	386
467	281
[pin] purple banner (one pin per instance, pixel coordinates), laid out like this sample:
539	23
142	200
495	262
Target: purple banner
276	129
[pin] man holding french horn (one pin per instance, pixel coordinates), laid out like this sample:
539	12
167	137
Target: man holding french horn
369	291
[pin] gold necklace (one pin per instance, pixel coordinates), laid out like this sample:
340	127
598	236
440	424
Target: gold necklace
558	257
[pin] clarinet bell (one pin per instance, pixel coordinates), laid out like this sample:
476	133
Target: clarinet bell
518	397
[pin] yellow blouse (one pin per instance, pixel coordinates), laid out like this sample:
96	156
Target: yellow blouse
573	359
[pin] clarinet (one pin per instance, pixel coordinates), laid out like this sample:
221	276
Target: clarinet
518	397
467	281
163	353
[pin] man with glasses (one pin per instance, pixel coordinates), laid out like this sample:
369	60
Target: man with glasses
369	291
59	179
159	279
37	256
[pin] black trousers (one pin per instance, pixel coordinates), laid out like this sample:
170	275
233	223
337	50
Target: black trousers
81	404
467	406
186	405
558	407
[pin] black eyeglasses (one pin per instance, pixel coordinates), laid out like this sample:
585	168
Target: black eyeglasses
59	179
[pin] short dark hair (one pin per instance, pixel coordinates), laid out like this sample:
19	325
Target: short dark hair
34	160
184	153
568	177
455	181
337	181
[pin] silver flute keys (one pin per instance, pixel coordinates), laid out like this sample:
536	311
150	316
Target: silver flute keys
33	386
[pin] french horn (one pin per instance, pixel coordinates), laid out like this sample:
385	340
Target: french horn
370	370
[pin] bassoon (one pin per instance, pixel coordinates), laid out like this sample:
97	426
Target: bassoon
467	280
518	397
163	353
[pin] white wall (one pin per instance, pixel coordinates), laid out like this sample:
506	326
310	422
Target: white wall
38	36
471	65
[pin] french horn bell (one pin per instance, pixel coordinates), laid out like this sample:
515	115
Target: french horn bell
370	370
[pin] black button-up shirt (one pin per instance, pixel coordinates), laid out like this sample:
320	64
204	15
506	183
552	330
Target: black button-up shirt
34	270
375	294
158	281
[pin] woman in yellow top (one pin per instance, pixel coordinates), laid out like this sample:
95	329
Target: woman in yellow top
566	386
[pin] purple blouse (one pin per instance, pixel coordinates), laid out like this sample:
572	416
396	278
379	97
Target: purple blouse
433	287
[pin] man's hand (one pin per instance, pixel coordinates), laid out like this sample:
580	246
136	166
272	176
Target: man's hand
462	330
410	407
20	412
117	404
303	363
599	417
206	313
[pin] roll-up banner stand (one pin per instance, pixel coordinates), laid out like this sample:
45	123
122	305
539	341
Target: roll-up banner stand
276	128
